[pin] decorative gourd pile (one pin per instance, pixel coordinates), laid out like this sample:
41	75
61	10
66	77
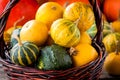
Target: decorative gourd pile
56	39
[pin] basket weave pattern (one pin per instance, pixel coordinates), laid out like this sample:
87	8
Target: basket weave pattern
90	71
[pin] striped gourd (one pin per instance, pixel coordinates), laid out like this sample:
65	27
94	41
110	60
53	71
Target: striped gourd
79	10
106	30
111	41
24	54
65	33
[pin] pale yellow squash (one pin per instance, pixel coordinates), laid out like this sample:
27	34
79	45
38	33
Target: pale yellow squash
81	11
65	33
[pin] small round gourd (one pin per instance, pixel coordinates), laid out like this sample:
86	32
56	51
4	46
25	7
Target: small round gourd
24	53
110	42
65	33
79	10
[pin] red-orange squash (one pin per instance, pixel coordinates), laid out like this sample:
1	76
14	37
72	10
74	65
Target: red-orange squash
26	8
111	9
63	2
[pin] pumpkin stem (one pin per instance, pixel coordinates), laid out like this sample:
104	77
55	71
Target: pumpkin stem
72	51
66	4
117	48
16	22
18	39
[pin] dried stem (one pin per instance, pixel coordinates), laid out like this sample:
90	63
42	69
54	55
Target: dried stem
3	20
19	20
18	39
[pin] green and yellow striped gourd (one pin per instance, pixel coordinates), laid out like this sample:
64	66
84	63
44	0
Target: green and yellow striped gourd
81	11
111	41
64	32
106	30
24	53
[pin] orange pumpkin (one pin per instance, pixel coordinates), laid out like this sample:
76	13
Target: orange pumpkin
22	8
111	9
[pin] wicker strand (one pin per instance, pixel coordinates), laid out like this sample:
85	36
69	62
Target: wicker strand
3	20
98	19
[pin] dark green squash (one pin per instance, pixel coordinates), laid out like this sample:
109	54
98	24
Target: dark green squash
54	57
24	53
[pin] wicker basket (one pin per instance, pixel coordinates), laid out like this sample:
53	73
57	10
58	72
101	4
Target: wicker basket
90	71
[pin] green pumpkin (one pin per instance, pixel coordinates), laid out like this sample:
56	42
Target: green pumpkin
24	54
106	30
13	40
54	57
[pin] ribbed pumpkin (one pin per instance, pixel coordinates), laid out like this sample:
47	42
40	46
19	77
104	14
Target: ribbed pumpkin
79	10
110	42
106	30
24	53
65	33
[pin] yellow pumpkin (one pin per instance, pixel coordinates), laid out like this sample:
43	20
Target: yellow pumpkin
49	12
83	54
65	33
81	11
34	31
112	63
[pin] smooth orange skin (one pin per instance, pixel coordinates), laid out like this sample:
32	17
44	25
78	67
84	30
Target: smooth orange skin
26	8
111	9
85	53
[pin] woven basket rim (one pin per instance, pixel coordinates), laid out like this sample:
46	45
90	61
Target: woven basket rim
90	70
